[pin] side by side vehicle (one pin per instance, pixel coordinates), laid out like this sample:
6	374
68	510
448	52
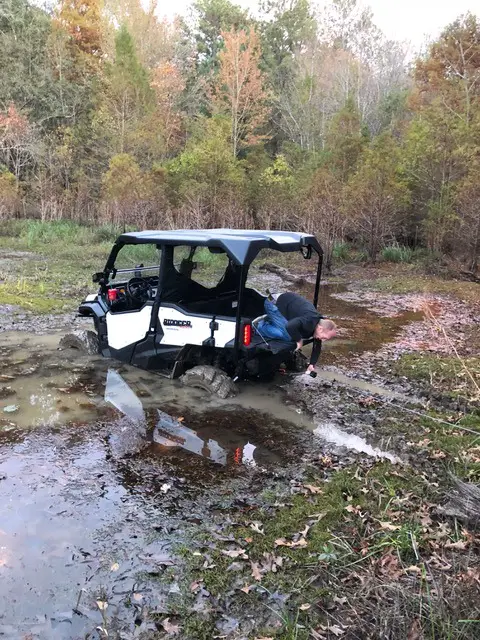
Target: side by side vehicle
151	311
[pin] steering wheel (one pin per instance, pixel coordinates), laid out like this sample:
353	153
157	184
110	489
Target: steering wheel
139	289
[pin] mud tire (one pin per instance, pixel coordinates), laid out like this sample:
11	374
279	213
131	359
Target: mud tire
211	380
83	340
297	362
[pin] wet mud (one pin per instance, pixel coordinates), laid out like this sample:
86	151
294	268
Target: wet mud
106	470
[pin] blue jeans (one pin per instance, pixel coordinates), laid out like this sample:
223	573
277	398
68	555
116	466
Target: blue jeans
274	325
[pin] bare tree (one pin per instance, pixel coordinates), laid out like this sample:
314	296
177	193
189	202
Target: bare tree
18	141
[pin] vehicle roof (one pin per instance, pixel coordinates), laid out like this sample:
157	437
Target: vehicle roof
242	245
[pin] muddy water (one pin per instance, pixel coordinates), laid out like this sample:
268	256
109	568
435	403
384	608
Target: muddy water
360	329
102	467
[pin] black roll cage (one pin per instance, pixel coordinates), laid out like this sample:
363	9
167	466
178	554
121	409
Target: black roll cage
243	256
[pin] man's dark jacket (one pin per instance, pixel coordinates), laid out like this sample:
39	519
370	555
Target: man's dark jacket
302	319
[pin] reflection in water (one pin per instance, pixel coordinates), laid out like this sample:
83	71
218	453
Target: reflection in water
122	396
170	432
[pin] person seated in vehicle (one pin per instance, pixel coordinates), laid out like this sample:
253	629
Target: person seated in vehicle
292	318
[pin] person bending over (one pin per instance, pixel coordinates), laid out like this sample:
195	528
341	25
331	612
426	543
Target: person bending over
290	317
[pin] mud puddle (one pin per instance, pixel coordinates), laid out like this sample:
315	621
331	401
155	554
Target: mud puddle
252	429
48	388
362	329
88	516
364	387
105	469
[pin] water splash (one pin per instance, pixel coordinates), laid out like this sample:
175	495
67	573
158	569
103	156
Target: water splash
333	434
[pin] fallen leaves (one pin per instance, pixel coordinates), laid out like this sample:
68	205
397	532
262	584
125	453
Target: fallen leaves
333	628
282	542
326	461
413	569
165	487
269	564
235	553
388	526
102	605
369	401
195	586
356	510
460	545
437	454
170	628
257	527
256	575
313	489
471	576
389	566
115	566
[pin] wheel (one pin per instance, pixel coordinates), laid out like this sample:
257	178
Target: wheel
297	362
81	339
211	380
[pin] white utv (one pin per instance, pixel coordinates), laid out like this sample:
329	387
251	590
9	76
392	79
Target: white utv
159	317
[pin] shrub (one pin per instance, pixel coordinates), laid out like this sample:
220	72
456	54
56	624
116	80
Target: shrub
397	253
341	251
9	194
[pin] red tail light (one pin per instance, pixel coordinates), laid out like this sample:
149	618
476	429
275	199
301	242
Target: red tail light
112	294
247	335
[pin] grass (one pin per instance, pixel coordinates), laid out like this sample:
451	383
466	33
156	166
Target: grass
371	551
342	252
407	281
57	271
446	374
61	257
397	253
35	234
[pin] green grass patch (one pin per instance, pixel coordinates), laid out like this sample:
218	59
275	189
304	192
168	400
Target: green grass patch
397	253
341	252
35	234
409	282
36	303
364	520
56	270
442	373
61	257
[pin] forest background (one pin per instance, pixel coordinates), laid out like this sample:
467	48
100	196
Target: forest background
292	117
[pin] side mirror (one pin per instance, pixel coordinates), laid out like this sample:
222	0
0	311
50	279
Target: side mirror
98	277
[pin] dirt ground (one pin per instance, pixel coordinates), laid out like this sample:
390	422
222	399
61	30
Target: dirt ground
303	508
